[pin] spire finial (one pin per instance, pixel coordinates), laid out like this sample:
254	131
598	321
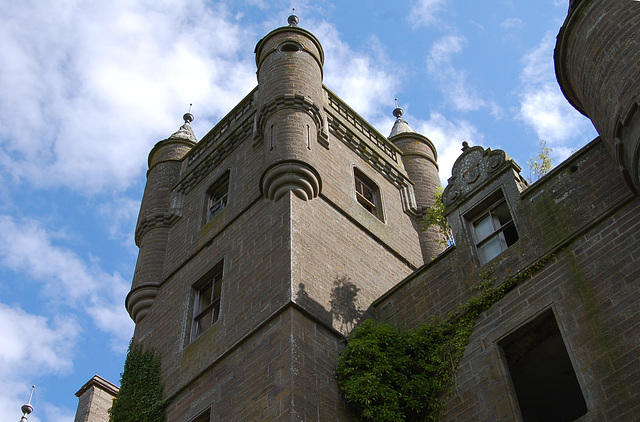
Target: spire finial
398	111
293	19
188	117
27	408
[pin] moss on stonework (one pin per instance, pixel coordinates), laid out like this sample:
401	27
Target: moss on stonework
553	219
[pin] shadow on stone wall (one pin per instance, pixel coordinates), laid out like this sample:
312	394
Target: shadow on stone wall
344	312
303	299
344	307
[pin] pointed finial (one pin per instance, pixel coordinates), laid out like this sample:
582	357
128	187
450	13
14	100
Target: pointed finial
188	117
398	111
293	19
27	408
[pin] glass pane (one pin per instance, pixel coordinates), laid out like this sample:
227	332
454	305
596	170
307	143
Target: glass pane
217	288
204	322
204	298
502	214
490	249
483	228
368	194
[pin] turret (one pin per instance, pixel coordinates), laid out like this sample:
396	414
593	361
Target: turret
158	212
290	122
420	160
596	59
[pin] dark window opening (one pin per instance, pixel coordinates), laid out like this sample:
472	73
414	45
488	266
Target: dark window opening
217	197
206	306
204	417
493	227
290	47
367	194
542	373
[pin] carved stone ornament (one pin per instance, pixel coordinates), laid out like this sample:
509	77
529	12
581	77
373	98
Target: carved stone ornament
470	170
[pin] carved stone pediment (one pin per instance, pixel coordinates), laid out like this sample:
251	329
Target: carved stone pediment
475	166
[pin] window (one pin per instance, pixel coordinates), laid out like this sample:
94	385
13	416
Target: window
367	193
204	417
206	306
217	197
543	377
493	228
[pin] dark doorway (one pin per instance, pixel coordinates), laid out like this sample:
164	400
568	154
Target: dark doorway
542	373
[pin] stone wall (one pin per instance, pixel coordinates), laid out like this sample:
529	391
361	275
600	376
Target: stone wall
582	214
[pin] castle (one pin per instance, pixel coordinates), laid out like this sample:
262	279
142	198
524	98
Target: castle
263	244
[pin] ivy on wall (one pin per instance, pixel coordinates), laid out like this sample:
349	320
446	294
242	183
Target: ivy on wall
434	216
141	395
388	374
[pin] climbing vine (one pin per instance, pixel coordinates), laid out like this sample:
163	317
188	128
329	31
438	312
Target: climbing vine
434	216
140	398
388	374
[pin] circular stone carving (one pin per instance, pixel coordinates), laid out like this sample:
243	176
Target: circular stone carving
297	177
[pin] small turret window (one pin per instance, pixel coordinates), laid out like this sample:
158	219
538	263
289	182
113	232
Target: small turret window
367	193
217	197
290	47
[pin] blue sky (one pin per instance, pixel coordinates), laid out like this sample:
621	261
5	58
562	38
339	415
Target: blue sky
88	87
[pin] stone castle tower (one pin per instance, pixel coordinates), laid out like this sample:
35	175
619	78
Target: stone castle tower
263	244
597	56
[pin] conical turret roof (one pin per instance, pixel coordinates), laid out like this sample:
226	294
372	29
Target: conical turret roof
185	132
400	126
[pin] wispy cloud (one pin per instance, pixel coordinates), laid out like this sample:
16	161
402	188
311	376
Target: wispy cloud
542	105
424	12
65	278
31	346
512	23
452	81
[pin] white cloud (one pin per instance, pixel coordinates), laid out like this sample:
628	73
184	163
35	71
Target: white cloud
453	82
512	23
32	346
26	247
424	12
119	217
447	136
542	105
84	96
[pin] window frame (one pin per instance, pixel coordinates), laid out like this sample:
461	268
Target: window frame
217	197
211	281
373	206
488	209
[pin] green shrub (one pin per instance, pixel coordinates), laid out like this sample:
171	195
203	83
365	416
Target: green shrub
390	375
